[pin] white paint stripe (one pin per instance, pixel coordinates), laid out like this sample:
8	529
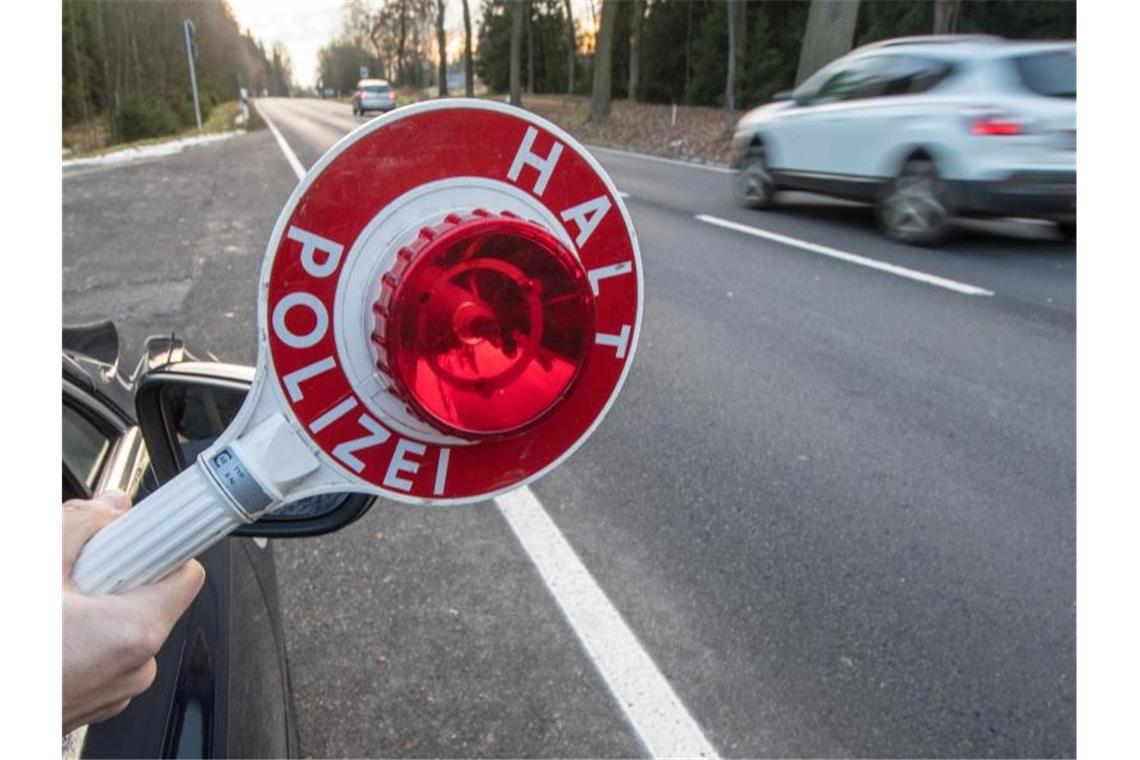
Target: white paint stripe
623	195
662	723
290	156
835	253
662	160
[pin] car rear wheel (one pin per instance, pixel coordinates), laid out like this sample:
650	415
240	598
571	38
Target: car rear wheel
913	207
752	186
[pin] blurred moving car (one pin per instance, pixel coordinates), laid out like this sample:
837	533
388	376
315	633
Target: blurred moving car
373	95
222	688
925	128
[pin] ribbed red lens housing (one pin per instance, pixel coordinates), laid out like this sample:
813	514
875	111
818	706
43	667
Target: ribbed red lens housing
484	324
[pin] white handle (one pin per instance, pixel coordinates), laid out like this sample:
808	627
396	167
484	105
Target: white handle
178	521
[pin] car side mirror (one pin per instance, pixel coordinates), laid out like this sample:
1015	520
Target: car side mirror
183	407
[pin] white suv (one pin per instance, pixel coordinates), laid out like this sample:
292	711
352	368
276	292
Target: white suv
926	128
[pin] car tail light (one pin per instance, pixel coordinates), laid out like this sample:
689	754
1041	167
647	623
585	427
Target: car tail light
986	121
391	95
996	126
360	94
483	324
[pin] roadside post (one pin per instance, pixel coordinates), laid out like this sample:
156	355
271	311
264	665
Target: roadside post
436	326
188	32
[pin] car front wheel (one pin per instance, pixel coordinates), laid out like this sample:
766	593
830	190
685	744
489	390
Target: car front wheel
752	186
913	207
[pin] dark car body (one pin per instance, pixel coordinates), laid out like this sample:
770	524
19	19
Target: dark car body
222	688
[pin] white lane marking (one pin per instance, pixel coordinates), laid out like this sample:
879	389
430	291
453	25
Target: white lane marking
835	253
623	195
662	160
657	715
290	156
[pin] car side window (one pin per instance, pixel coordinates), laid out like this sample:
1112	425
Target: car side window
85	446
863	79
907	75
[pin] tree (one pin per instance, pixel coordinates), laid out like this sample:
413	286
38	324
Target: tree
468	67
603	63
829	34
946	15
125	71
339	64
441	41
730	78
635	49
516	45
571	49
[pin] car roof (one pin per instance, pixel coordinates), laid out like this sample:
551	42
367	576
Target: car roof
964	46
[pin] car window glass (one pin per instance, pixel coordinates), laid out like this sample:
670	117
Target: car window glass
376	89
863	79
85	447
1053	74
906	75
197	415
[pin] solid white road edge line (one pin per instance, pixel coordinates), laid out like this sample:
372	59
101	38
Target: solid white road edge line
662	159
290	156
657	715
835	253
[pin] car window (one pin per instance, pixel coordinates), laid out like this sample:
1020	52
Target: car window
85	446
376	89
1053	74
862	79
908	75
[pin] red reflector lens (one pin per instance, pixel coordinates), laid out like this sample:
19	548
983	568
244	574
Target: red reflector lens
996	127
484	324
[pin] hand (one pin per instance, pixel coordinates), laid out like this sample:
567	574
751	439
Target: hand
109	642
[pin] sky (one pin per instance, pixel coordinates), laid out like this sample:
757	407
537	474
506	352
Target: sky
304	26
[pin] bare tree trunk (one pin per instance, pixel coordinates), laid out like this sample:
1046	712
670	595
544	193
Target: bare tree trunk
635	48
742	30
946	16
403	40
571	49
516	51
468	69
441	41
829	33
730	79
528	9
688	45
603	63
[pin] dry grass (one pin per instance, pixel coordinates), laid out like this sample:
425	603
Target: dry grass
699	133
92	139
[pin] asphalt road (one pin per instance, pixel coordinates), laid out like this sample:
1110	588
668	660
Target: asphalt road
835	505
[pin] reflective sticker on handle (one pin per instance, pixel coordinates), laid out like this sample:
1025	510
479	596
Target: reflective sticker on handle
238	484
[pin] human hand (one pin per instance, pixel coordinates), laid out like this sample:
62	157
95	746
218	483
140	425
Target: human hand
109	641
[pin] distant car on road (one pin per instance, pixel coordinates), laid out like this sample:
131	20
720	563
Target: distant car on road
925	128
373	95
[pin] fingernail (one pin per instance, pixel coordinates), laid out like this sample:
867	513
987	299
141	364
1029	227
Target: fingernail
115	499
